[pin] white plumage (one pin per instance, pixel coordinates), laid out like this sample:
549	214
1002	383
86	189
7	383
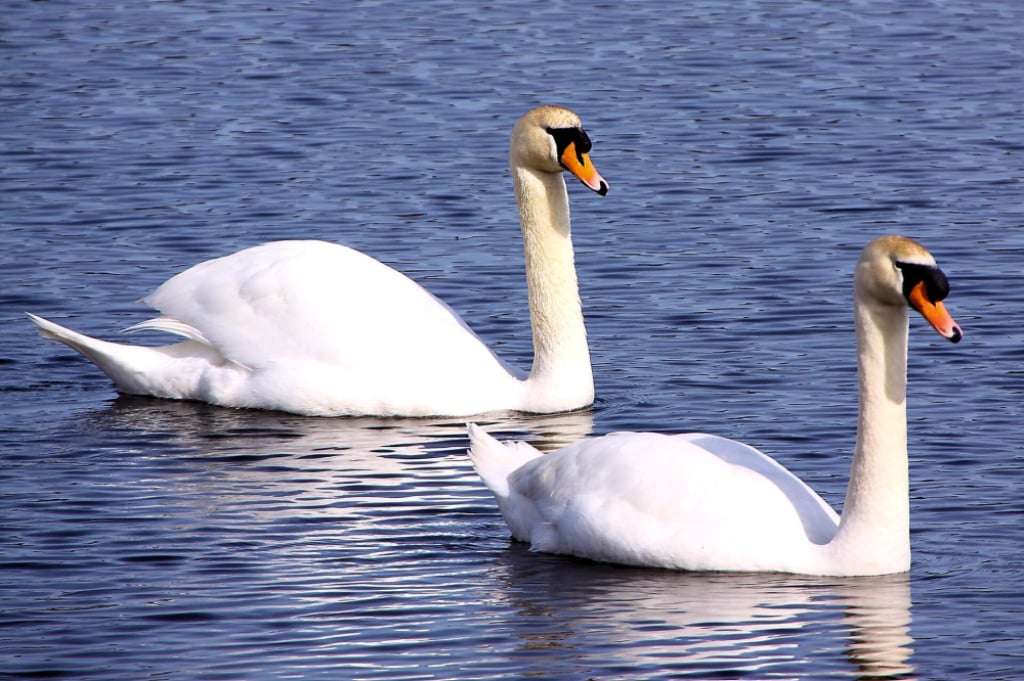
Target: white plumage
702	502
318	328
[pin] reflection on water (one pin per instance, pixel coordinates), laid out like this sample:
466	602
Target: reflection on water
275	464
749	623
877	611
194	426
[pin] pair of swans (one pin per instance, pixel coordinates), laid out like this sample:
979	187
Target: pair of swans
320	329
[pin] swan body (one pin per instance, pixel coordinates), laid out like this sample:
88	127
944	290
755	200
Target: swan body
703	502
318	328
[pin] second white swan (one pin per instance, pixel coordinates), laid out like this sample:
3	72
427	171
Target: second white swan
702	502
317	328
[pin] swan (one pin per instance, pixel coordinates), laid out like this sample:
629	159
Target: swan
317	328
703	502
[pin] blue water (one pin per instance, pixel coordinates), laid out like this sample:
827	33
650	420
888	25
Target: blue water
752	149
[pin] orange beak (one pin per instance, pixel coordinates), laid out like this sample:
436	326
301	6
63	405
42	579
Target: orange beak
580	166
935	312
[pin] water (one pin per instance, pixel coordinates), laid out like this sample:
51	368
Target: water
752	149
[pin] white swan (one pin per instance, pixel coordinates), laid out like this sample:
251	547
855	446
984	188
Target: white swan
321	329
701	502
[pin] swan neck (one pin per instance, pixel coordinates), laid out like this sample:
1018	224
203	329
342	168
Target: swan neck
875	525
561	369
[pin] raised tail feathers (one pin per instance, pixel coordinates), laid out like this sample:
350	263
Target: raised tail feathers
90	347
171	371
124	364
495	461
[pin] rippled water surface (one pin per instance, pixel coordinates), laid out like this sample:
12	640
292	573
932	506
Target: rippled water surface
752	149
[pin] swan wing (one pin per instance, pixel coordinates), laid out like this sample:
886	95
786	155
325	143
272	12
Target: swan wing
819	519
692	502
316	303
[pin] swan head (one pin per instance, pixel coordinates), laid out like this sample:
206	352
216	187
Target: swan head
896	270
551	139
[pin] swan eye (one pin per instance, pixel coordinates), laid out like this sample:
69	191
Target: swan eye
934	279
566	136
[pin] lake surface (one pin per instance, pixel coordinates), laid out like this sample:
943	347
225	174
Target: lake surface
752	149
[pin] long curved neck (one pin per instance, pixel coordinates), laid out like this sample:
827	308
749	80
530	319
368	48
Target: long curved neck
875	526
561	376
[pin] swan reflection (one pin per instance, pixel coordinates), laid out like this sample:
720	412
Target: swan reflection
660	621
198	427
321	462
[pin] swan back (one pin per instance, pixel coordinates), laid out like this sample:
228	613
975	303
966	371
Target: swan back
310	300
692	501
